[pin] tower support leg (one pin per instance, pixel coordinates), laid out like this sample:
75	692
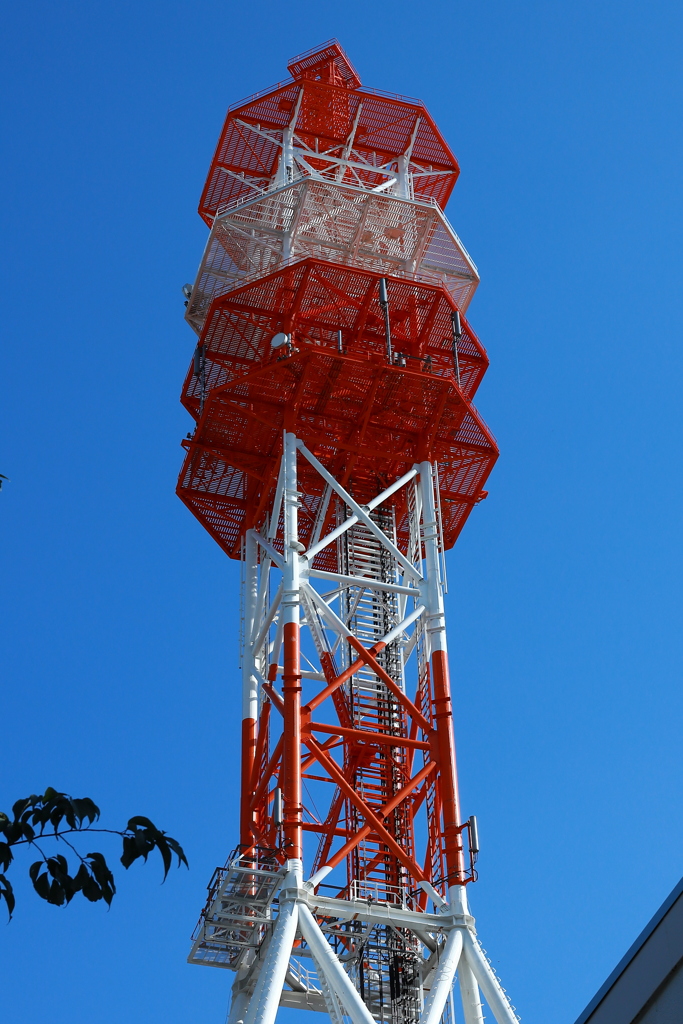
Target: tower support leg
436	634
469	994
249	689
271	980
328	964
443	979
238	1007
488	982
293	833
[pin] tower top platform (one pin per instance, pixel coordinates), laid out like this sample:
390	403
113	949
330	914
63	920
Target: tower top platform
335	129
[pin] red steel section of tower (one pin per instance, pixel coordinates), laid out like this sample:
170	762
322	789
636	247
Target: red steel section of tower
368	421
335	113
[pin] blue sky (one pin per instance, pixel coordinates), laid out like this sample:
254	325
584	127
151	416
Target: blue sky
120	615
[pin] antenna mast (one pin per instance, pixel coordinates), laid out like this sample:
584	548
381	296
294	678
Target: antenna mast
337	453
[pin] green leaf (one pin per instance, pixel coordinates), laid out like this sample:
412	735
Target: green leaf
86	808
58	809
85	883
80	877
130	852
69	813
166	856
40	817
55	815
178	850
53	892
138	821
103	876
20	806
7	893
139	844
41	883
145	838
144	843
50	876
57	895
15	831
55	807
58	868
5	856
92	891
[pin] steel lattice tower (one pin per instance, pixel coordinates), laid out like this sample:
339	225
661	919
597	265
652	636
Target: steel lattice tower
337	453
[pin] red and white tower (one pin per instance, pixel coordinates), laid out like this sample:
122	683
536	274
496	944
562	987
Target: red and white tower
337	454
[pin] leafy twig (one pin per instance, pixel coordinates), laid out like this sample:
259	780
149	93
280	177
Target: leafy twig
50	876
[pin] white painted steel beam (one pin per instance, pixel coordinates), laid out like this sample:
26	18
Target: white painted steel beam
443	979
331	617
238	1007
377	913
469	994
315	548
499	1003
266	998
273	553
337	624
249	682
436	620
328	963
268	620
363	581
361	514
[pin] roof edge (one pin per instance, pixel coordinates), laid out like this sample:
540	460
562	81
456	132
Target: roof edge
631	953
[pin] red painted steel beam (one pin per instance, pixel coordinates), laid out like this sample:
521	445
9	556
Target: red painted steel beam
291	758
445	746
367	736
398	693
398	798
372	819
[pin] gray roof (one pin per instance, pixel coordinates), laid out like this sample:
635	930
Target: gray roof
650	961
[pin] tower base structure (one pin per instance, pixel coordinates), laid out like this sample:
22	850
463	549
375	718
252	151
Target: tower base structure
361	949
279	978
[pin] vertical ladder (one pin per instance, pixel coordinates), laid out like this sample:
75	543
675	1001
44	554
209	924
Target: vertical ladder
388	975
